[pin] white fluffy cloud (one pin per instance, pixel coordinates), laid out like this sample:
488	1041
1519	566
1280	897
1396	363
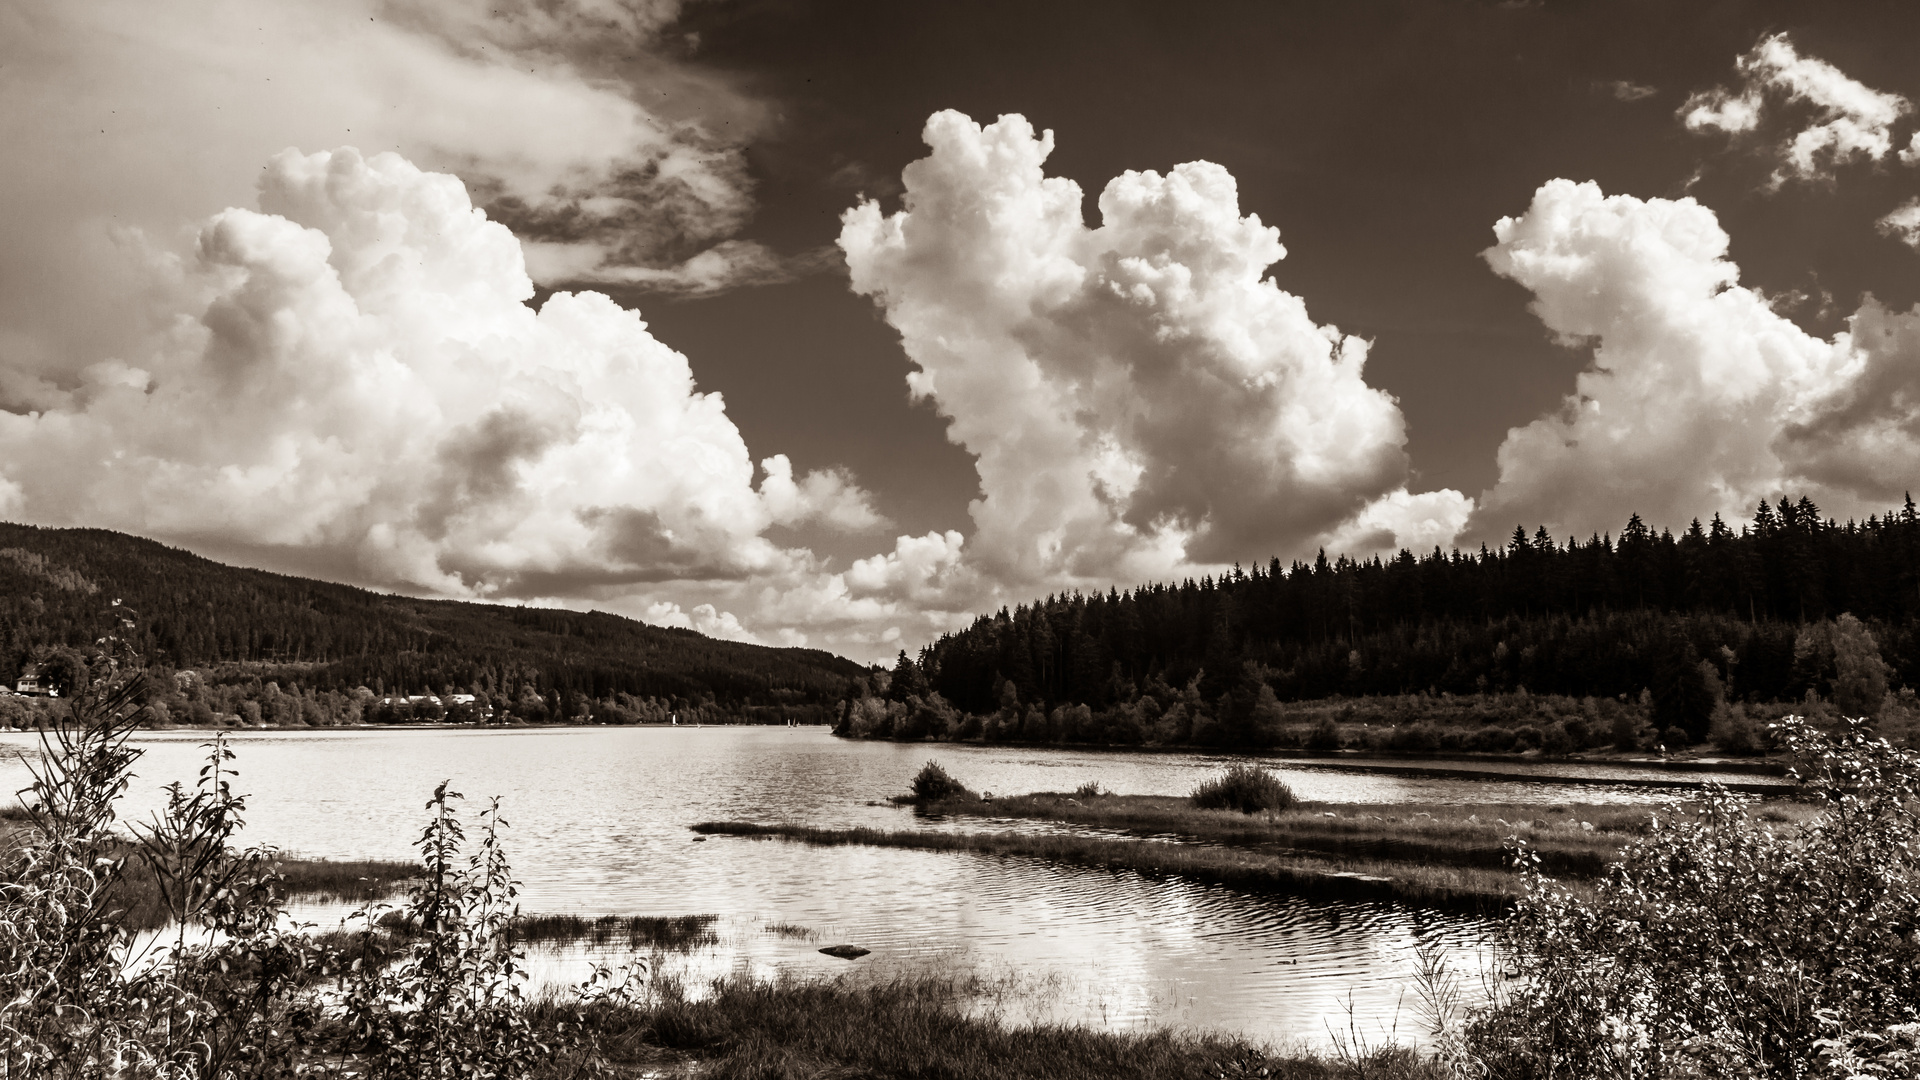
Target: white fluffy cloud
1700	397
352	369
568	117
1850	121
1139	397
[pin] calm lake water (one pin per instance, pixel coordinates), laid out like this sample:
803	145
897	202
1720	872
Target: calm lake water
600	826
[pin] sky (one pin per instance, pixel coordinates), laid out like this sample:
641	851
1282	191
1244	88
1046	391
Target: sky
839	324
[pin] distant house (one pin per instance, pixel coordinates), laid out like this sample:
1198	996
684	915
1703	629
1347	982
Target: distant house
412	699
32	685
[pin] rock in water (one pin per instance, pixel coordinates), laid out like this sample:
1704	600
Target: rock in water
846	952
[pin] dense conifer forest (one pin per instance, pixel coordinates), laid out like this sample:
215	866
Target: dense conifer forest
1678	625
315	641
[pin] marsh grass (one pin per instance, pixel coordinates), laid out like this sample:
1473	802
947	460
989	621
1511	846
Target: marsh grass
677	933
1468	837
790	930
922	1026
1309	874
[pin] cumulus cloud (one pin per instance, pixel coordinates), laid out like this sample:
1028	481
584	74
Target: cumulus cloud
830	497
354	370
1139	396
1401	520
703	619
576	121
1700	396
1850	121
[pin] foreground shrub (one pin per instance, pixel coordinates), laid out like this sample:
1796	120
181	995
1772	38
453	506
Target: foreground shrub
1246	788
1724	946
932	784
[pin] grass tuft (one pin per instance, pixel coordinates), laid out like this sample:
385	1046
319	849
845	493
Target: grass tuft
679	933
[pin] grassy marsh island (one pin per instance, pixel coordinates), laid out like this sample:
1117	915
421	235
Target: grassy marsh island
1454	857
1458	857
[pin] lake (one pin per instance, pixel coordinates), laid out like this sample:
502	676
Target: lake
599	825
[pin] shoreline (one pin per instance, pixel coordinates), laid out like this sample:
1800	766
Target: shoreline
1355	760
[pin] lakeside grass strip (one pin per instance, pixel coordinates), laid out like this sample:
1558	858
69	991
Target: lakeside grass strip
926	1026
1397	833
1573	841
1450	887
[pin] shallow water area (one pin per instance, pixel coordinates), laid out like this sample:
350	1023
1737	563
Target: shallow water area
599	825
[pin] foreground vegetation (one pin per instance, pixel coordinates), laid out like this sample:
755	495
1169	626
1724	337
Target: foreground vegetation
930	1027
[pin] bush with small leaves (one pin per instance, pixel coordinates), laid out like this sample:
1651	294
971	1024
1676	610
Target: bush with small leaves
1724	945
933	784
1246	788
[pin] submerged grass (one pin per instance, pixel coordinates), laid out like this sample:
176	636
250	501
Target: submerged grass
920	1026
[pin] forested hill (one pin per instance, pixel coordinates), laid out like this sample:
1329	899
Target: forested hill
1605	616
194	613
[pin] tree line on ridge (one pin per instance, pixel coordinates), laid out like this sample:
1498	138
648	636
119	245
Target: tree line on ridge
1679	624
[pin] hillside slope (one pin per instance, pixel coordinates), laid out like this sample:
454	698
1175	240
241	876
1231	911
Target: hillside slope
194	613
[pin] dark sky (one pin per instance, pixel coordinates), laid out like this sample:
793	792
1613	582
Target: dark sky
247	306
1384	140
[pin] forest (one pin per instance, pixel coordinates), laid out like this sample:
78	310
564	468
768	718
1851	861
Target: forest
231	642
1792	607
